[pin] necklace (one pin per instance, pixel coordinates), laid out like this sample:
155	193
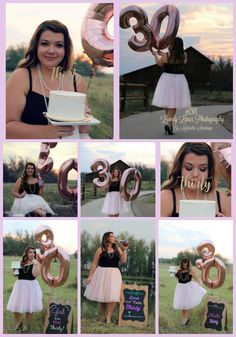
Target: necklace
186	278
185	198
32	191
110	255
25	270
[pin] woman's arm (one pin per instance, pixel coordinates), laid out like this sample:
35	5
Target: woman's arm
225	206
17	89
36	268
166	203
81	86
16	189
160	58
94	264
123	254
195	276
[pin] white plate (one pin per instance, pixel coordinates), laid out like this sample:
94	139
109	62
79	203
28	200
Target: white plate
93	121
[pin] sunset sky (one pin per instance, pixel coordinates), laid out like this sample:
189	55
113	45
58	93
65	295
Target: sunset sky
30	152
206	27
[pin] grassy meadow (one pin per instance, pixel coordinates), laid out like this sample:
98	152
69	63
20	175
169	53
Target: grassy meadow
59	205
91	322
67	291
169	318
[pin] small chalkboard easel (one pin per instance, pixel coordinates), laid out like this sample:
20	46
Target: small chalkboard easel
215	314
133	306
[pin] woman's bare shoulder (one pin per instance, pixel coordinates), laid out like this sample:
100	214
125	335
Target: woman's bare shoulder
19	78
20	73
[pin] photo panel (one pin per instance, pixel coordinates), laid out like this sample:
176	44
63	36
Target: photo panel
196	179
40	276
195	277
59	71
118	276
117	179
176	71
40	179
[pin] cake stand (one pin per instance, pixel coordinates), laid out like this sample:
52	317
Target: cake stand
76	125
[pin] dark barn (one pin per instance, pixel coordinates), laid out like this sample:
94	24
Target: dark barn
197	72
119	164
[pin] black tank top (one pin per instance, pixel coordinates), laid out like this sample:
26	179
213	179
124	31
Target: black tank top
29	188
35	106
173	68
183	277
109	260
25	273
175	214
114	186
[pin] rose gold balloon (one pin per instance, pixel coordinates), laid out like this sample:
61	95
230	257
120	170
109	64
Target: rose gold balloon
142	26
59	254
45	163
47	231
103	174
63	188
96	40
128	174
219	265
172	26
199	263
223	154
206	249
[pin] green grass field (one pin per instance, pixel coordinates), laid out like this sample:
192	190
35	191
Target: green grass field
169	318
91	322
51	195
68	291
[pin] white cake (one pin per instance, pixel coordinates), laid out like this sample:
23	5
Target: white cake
197	208
66	106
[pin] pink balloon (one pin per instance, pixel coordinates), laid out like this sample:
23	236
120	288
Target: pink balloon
131	173
47	231
103	174
45	163
63	188
206	249
96	41
219	281
199	263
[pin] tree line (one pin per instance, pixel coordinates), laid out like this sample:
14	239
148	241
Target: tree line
13	169
141	256
192	255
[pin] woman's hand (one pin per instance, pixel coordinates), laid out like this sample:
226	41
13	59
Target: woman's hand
89	279
219	215
22	195
200	282
56	131
85	128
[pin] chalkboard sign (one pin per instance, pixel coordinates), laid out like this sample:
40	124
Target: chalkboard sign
134	305
215	314
59	315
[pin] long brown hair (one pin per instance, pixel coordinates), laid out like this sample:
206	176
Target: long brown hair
177	54
31	56
25	255
199	149
104	243
25	176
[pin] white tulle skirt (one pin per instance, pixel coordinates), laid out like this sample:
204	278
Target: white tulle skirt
29	203
188	295
172	91
26	296
105	285
113	203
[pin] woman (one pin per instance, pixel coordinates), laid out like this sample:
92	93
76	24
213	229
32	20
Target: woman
113	202
26	296
28	191
188	294
172	91
104	280
29	86
193	177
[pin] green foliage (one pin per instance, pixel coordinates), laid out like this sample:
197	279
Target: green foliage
68	291
13	56
169	318
15	245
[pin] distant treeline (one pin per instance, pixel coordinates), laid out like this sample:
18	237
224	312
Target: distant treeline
141	256
191	255
13	169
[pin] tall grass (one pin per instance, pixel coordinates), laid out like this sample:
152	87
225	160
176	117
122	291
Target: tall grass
68	291
169	318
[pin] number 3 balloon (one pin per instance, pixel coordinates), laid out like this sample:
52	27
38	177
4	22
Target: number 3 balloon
151	32
207	250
